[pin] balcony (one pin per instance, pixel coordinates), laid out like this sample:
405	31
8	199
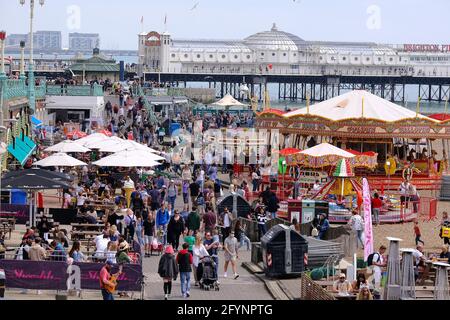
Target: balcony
14	89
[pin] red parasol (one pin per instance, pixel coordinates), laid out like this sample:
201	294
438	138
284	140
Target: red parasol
105	132
77	134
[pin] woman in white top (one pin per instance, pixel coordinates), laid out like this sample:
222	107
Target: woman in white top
111	252
199	252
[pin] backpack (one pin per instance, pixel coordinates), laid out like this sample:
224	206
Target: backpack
370	259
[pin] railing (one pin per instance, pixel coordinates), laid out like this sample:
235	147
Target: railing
14	88
83	90
309	71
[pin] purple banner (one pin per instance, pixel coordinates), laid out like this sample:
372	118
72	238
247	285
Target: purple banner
51	275
38	275
19	211
129	280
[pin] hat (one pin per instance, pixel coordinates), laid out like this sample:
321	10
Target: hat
109	262
169	249
123	246
164	186
342	275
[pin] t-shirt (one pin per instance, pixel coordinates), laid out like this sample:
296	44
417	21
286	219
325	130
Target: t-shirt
377	203
149	226
190	240
194	188
211	251
209	219
357	223
231	244
344	288
101	247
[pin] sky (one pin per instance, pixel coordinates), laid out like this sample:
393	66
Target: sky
119	22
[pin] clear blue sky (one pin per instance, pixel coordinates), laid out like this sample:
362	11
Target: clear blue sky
118	22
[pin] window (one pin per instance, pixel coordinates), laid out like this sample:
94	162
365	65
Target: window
379	59
235	56
344	58
173	55
356	58
210	56
321	58
367	59
224	56
273	54
284	54
198	56
262	53
391	59
248	57
186	55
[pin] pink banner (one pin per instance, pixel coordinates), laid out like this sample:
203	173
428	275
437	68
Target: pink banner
367	205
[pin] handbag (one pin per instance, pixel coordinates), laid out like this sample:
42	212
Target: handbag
314	232
445	232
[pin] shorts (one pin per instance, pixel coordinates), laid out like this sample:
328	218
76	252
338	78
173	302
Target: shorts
229	257
155	206
148	239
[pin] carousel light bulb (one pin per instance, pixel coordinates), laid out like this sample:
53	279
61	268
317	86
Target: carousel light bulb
388	163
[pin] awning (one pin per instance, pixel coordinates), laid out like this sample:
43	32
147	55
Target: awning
36	122
22	150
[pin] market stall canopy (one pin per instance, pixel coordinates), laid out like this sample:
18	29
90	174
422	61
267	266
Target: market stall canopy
32	181
228	101
58	176
67	146
356	105
127	159
60	160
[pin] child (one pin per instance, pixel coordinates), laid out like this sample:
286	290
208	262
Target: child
185	192
417	233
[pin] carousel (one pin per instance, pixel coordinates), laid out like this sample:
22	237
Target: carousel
385	138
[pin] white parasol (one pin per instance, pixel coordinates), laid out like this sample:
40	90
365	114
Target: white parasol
128	159
67	147
60	160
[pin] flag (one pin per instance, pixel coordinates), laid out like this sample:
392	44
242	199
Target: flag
165	19
142	19
368	239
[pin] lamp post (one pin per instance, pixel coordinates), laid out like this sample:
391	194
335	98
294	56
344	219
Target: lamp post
22	59
31	81
2	44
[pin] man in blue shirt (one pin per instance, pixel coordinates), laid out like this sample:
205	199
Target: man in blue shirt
162	220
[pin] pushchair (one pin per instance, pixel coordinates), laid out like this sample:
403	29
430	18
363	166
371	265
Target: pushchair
209	276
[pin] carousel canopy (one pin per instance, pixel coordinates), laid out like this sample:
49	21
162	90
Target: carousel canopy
228	101
326	149
359	104
343	169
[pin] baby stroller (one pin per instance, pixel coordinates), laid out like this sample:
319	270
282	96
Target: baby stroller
209	277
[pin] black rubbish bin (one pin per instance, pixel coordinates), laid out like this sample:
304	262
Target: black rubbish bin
284	252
